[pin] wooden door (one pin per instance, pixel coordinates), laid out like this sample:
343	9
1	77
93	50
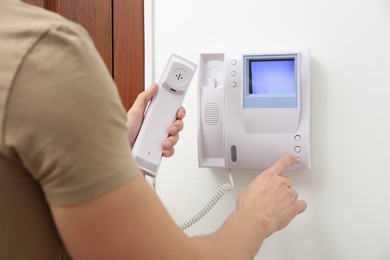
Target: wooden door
116	26
129	62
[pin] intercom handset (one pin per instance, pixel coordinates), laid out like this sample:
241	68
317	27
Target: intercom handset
172	87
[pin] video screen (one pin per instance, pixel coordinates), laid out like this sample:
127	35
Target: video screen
272	76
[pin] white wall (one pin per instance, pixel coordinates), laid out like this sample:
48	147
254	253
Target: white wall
348	188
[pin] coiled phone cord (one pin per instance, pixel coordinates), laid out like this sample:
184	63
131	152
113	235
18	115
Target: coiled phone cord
212	202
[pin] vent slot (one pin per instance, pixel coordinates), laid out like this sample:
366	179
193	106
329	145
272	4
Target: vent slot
211	114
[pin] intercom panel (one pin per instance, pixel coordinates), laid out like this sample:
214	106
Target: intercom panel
254	108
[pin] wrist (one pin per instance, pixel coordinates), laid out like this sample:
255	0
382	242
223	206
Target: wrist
251	223
240	237
244	232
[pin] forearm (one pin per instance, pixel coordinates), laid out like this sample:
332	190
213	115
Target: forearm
130	222
240	237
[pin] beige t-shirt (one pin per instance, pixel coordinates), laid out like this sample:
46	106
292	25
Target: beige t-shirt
63	134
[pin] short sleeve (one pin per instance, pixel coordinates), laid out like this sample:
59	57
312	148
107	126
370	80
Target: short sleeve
65	121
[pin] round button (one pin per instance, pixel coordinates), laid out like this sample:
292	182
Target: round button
299	159
234	84
234	73
297	149
297	138
234	62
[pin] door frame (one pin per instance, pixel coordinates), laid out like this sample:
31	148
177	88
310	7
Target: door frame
148	42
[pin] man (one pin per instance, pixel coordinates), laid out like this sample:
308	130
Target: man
68	185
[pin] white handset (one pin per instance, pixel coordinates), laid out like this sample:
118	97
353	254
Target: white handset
173	85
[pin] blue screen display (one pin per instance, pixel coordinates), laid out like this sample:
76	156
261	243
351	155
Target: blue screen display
272	77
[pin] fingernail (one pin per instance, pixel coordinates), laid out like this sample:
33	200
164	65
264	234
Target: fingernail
183	113
167	144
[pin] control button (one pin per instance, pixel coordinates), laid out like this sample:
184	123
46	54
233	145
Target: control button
297	149
234	62
234	73
297	138
234	84
233	153
299	159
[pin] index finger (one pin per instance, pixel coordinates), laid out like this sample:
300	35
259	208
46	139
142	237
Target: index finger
283	164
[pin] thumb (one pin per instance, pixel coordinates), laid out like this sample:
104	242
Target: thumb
144	97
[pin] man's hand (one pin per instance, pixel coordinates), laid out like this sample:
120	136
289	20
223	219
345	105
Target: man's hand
270	197
136	114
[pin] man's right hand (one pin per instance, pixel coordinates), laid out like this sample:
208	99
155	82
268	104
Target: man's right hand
271	199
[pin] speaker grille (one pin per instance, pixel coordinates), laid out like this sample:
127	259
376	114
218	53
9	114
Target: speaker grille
211	114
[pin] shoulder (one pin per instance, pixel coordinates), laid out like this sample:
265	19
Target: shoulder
22	27
65	119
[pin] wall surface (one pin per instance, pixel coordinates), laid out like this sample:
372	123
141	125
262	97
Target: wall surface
348	188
